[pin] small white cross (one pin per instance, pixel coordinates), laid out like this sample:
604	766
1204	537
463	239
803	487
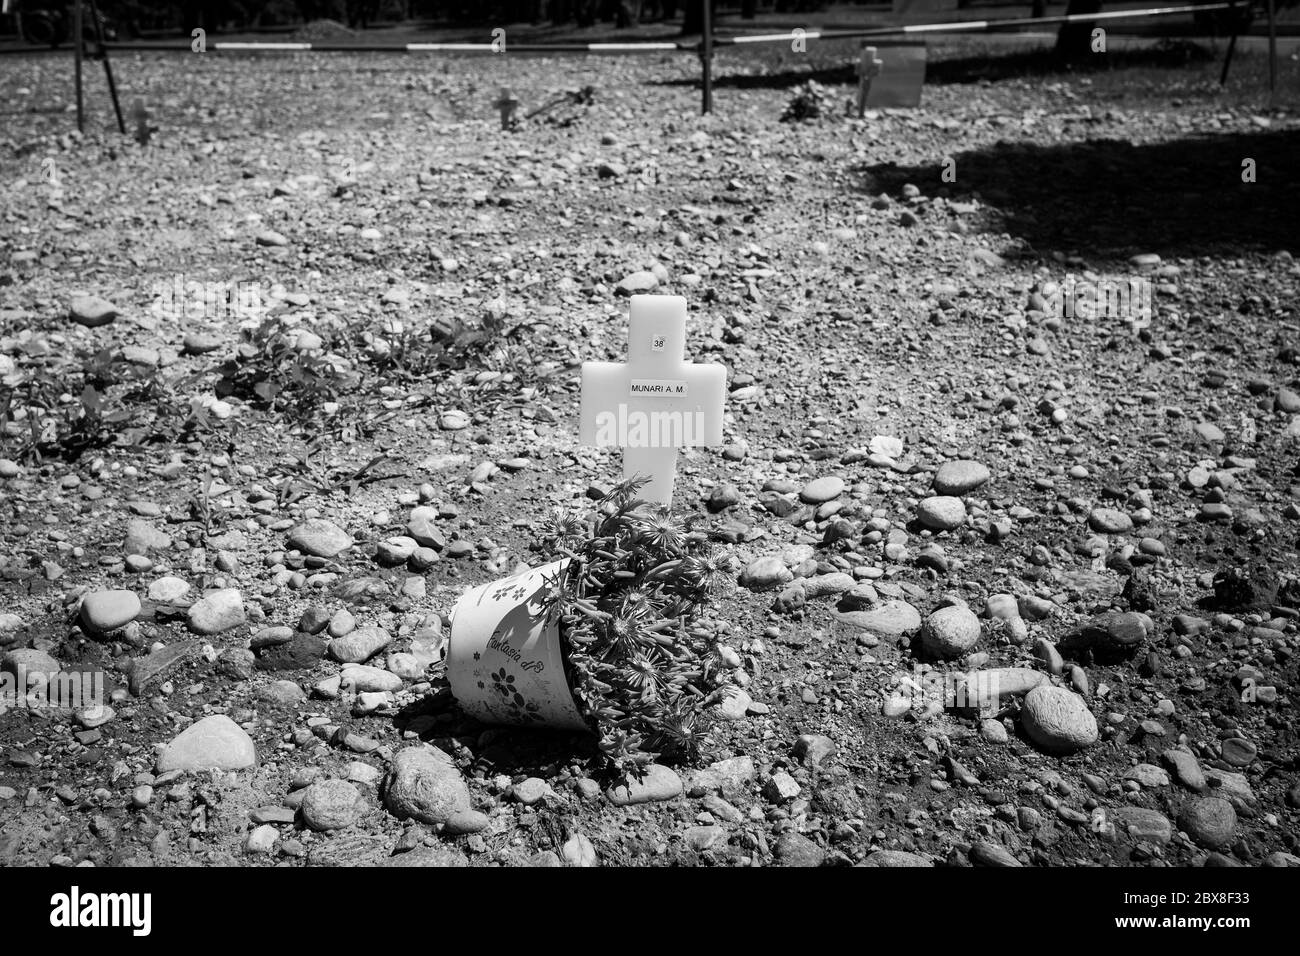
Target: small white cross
868	68
656	403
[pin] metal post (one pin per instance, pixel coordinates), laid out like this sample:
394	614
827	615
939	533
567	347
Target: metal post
1227	60
706	53
76	30
1272	50
108	69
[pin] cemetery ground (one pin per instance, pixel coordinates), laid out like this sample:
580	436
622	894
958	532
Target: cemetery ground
417	289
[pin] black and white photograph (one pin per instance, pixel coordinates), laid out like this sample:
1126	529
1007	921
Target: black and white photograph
659	435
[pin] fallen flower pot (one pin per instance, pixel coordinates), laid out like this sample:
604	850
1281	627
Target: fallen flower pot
505	662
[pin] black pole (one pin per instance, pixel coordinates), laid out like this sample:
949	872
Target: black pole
76	46
1272	49
1227	60
108	69
706	52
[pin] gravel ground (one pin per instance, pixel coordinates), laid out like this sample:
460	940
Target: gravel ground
1123	530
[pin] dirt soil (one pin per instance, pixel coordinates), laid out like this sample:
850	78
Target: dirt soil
884	277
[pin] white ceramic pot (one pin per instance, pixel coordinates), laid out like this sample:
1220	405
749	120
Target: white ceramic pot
504	662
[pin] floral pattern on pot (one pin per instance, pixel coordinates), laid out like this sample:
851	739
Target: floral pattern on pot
504	659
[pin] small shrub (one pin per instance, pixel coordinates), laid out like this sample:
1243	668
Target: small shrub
810	101
641	667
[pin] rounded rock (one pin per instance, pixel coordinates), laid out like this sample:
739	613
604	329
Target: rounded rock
941	513
105	611
331	805
1109	521
217	612
1209	821
425	785
950	632
1058	720
215	742
319	538
960	477
821	490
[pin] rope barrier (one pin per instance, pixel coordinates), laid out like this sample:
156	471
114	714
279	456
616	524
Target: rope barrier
669	46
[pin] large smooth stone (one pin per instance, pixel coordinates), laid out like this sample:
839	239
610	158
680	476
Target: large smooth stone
105	611
215	742
1058	720
425	785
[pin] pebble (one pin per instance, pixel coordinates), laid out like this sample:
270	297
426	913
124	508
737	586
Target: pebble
213	742
95	716
1142	825
1186	768
423	527
453	420
821	490
1148	775
657	783
941	513
891	620
360	679
950	632
466	821
1109	521
92	311
217	612
636	283
985	853
331	805
781	787
396	550
168	590
281	693
812	749
262	839
319	538
142	538
425	785
105	611
766	573
1209	821
1238	752
532	790
1058	720
360	645
579	851
823	584
200	343
960	478
30	662
894	858
730	777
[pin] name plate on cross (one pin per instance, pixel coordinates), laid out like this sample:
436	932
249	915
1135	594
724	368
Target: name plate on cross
656	402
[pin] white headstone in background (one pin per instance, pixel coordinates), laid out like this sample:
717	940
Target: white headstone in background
657	402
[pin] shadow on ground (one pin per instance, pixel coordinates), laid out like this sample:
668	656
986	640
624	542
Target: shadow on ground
1110	198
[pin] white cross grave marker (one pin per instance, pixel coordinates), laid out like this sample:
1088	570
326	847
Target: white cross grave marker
656	403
